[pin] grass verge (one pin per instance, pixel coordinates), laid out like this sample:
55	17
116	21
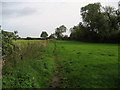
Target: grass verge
30	66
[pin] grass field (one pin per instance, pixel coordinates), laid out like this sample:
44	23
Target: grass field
79	65
88	65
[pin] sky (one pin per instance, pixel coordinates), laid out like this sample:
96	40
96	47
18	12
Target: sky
31	17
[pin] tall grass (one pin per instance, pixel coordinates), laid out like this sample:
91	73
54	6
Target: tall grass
30	65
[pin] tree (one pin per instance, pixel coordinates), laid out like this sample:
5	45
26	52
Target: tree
28	38
52	36
118	18
59	31
15	34
100	24
91	14
112	17
79	33
44	35
66	37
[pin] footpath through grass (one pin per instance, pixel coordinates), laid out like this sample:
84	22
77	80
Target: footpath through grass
87	65
69	64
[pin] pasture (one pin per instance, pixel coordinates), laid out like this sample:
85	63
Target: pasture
79	65
87	65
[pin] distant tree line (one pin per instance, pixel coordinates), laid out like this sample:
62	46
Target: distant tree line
58	34
100	24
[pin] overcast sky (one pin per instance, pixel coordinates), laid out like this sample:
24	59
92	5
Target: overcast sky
31	17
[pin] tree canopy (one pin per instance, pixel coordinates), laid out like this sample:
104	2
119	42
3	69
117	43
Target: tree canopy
44	34
59	31
100	24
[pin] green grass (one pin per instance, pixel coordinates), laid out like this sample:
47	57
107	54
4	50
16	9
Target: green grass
88	65
84	65
34	70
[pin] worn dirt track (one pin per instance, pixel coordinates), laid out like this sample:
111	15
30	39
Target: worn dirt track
55	81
